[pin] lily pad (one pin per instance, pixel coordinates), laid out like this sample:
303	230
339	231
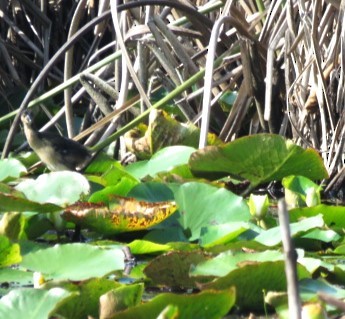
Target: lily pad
86	296
172	269
228	261
10	275
258	158
221	234
272	237
164	160
11	168
139	247
209	304
333	216
119	299
201	205
252	278
74	261
60	188
120	215
9	253
31	303
11	203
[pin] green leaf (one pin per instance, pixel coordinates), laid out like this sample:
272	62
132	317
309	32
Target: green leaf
31	303
120	299
310	287
228	261
259	158
333	216
121	188
139	247
201	205
252	279
164	160
11	168
208	304
302	190
167	232
10	203
60	188
169	312
101	164
221	234
172	269
9	253
10	275
74	261
272	237
152	192
115	174
12	225
326	236
313	264
227	100
86	299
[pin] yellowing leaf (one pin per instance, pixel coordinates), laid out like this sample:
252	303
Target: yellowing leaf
121	215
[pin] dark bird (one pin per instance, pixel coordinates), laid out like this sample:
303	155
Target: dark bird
57	152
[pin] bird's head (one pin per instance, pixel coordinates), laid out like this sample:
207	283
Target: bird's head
27	118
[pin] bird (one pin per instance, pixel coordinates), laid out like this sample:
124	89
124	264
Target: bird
58	153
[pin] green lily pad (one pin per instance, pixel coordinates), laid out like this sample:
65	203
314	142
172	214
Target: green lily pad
326	236
272	237
258	158
121	188
12	225
228	261
164	160
86	296
172	269
11	203
120	299
309	287
152	192
10	275
116	174
31	303
333	216
74	261
60	188
252	278
9	253
221	234
301	191
209	304
11	168
201	205
139	247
